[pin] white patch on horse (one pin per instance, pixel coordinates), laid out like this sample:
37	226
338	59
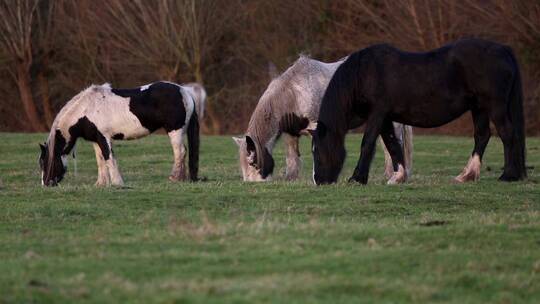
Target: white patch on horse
471	172
398	177
64	159
123	121
145	87
189	103
176	137
313	174
199	95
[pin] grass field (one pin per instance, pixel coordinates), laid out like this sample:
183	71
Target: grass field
224	241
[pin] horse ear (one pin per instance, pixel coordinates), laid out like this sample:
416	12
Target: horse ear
43	148
239	140
250	145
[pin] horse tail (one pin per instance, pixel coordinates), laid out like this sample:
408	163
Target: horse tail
193	143
515	107
407	135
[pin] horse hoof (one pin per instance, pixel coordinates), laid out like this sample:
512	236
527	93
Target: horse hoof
357	180
176	178
291	178
464	178
509	178
101	184
395	181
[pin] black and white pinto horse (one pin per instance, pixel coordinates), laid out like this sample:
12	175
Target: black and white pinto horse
101	114
381	84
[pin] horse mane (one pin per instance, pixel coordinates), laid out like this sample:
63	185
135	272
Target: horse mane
342	90
333	123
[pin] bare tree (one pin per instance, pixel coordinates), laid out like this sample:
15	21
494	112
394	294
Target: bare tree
165	39
409	24
16	19
28	40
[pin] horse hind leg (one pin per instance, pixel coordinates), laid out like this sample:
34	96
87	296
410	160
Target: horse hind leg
404	135
482	133
292	160
394	149
103	172
178	172
505	129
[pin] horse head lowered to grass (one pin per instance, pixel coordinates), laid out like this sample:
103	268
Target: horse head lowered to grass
101	114
290	107
381	84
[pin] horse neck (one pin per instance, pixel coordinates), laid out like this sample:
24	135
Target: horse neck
263	130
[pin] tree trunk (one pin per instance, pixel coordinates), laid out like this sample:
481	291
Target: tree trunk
45	98
25	92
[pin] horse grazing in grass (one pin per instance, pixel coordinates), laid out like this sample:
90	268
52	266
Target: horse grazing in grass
288	106
381	84
101	114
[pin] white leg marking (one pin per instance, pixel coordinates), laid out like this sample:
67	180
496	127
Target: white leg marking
114	171
471	172
388	165
103	173
178	172
398	177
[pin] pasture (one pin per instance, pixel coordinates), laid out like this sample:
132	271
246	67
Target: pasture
223	241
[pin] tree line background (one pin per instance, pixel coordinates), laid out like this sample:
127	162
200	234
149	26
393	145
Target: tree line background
51	50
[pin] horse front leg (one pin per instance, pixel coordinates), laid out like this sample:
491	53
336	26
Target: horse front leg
395	151
178	172
293	161
103	173
388	163
482	133
110	161
373	129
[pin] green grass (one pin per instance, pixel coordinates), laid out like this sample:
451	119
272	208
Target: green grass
224	241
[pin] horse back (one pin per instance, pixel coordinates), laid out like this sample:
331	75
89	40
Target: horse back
425	89
159	105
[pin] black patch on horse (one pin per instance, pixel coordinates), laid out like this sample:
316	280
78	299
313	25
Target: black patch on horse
86	129
159	106
118	136
293	124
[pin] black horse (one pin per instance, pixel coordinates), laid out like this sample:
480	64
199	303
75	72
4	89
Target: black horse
381	84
